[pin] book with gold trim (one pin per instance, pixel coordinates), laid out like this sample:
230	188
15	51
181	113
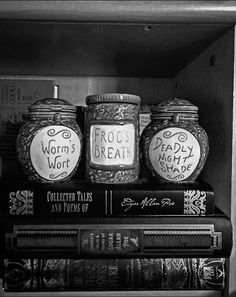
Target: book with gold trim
124	237
81	199
22	275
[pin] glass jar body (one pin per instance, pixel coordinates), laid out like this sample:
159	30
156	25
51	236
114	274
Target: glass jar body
49	147
174	151
112	133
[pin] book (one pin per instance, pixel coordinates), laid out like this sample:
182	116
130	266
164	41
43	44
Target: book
124	237
15	97
80	199
113	274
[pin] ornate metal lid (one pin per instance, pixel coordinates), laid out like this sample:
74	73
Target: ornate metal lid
113	98
169	108
49	105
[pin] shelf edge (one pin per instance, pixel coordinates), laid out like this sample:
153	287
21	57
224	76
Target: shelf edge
210	12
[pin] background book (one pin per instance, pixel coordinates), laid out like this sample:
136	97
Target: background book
79	199
114	274
124	237
15	97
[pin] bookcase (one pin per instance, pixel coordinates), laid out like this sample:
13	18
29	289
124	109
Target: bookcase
156	49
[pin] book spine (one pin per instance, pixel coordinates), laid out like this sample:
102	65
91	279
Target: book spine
81	201
120	240
114	274
15	97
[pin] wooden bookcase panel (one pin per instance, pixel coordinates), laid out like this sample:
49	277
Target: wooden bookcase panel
157	49
210	81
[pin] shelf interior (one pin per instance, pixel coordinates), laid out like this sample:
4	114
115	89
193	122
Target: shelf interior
80	49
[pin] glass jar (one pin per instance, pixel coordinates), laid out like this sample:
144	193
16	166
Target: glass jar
49	144
174	146
112	138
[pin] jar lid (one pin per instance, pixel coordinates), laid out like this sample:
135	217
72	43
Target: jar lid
52	105
168	108
113	98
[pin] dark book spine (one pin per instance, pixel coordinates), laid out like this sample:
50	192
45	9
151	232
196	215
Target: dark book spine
150	237
86	201
114	274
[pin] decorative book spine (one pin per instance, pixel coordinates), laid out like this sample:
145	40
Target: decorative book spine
210	238
89	201
114	274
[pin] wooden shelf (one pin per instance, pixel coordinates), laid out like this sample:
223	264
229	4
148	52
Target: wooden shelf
118	293
140	293
157	49
121	11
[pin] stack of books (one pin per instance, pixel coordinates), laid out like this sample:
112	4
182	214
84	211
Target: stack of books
90	237
78	236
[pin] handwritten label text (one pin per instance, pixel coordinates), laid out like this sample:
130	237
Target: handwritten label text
174	153
112	144
55	151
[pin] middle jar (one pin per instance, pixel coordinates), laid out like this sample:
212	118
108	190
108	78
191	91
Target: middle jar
112	130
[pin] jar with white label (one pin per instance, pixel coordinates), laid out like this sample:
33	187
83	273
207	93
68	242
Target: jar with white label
112	132
49	144
174	145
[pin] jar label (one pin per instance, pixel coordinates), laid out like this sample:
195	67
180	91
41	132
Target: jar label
112	144
55	152
174	153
